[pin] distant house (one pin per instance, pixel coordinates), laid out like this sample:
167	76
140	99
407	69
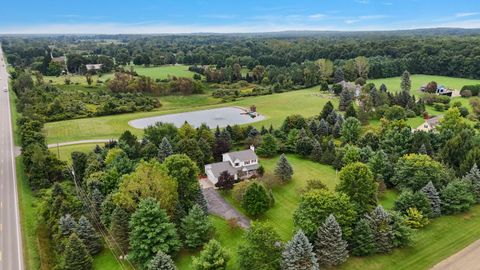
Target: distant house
429	124
240	164
352	87
441	90
93	66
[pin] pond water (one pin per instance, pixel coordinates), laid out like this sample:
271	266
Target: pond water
221	117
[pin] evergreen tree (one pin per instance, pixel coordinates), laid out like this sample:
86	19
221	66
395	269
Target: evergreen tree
76	255
150	232
119	228
402	233
380	222
330	248
338	75
323	128
212	257
202	202
97	199
161	261
346	99
434	199
89	236
363	242
79	164
327	110
206	150
350	111
317	151
284	170
67	225
164	150
383	88
196	228
304	144
473	177
268	147
298	254
406	83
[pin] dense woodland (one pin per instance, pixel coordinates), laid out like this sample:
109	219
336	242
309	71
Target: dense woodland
141	199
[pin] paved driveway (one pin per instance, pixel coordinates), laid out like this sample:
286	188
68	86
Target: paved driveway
468	259
219	207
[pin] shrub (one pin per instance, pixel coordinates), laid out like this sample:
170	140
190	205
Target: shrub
466	93
415	219
457	197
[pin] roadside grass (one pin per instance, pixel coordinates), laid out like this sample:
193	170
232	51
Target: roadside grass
276	107
64	152
163	72
442	238
393	84
28	218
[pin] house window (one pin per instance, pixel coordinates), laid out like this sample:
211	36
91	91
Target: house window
246	162
237	164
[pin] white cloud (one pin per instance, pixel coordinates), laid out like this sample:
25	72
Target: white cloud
466	14
364	2
372	17
316	16
351	21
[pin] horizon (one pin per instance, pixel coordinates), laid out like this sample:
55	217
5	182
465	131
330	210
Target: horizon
219	17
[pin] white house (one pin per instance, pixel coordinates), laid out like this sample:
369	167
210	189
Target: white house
93	66
240	164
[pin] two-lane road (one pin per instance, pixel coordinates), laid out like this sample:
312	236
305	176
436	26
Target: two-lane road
11	257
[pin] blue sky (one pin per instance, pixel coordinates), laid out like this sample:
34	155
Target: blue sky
225	16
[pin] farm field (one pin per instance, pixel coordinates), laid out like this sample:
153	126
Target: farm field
275	107
393	84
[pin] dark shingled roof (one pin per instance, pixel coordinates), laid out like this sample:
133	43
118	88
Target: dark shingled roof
243	155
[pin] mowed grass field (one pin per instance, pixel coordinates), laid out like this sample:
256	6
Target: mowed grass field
276	107
393	84
163	72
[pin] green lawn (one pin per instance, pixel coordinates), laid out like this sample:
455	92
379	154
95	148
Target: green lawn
442	238
229	237
393	84
276	107
163	72
76	79
64	152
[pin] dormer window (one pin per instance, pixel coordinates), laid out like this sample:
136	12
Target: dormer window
237	164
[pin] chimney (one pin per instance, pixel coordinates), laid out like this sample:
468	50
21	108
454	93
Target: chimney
252	148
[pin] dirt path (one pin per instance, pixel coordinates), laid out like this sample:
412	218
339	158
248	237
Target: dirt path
468	258
218	206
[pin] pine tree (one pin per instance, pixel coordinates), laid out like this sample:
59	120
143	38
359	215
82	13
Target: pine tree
338	75
473	177
380	222
317	151
268	147
323	128
97	199
164	150
119	228
423	149
161	261
406	84
298	254
76	255
383	88
196	228
330	248
150	232
346	98
89	236
202	202
67	225
434	198
350	111
212	257
284	170
363	242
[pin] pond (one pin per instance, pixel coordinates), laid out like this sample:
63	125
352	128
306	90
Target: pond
221	117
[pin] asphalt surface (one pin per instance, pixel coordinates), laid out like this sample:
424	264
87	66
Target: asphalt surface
468	258
11	257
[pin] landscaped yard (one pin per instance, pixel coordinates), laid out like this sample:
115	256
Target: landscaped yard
64	152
